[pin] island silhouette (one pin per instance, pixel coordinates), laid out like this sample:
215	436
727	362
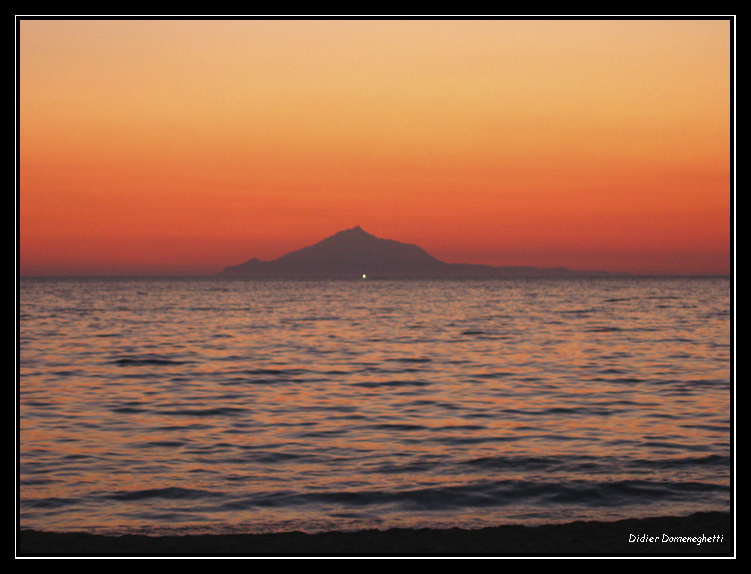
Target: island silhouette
356	254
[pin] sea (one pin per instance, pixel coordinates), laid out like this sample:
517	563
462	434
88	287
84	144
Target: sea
211	405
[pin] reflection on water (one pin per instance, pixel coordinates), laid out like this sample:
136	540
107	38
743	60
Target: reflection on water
235	405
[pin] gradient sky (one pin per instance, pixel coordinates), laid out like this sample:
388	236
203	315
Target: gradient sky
181	147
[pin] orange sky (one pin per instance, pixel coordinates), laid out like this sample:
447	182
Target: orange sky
181	147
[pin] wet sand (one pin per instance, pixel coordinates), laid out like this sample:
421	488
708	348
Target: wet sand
708	533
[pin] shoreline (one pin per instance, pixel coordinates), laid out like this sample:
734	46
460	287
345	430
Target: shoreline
700	534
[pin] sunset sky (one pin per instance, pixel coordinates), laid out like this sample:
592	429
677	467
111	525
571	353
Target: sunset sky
182	147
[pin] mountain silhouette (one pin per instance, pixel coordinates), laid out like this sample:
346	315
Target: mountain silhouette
354	253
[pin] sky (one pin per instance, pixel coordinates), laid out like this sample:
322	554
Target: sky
168	147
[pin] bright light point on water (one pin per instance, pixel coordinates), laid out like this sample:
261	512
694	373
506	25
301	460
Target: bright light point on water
364	276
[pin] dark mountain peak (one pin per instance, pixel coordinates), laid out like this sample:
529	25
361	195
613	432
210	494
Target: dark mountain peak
357	249
349	253
354	234
355	253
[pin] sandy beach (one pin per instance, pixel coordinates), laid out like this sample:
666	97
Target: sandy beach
708	533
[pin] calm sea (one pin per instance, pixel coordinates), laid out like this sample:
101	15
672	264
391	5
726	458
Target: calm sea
208	405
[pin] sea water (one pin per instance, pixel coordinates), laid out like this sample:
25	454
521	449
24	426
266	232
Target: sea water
210	405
